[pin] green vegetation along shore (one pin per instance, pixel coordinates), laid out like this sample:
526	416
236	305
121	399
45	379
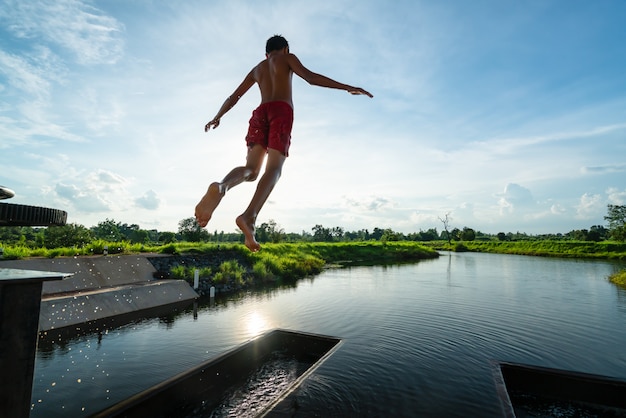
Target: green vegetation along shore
610	250
619	278
288	261
233	266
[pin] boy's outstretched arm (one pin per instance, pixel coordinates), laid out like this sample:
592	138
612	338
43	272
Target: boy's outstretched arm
231	101
321	80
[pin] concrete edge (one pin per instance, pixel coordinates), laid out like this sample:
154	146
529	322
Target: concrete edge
79	308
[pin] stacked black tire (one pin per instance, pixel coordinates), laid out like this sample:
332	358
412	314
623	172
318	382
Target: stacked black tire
23	215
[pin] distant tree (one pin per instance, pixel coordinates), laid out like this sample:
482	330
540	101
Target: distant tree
468	234
501	236
337	233
23	235
598	233
139	236
107	230
377	234
262	232
616	216
446	224
70	235
321	234
429	235
128	231
270	231
153	235
277	234
191	231
390	235
578	234
167	237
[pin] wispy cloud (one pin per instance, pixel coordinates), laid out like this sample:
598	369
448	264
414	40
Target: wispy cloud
84	31
512	145
601	169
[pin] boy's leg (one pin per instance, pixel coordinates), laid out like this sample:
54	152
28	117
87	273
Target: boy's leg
245	221
215	192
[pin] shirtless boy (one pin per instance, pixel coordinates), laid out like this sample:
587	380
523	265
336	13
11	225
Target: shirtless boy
269	131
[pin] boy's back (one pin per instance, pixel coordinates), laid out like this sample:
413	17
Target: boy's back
273	75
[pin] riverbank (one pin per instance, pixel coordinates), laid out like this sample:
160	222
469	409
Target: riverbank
232	267
618	278
104	286
609	250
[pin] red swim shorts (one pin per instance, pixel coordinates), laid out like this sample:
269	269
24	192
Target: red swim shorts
270	126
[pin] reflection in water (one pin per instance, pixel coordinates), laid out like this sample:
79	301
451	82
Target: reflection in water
256	324
414	344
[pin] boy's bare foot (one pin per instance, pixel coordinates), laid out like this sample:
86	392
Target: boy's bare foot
248	231
208	203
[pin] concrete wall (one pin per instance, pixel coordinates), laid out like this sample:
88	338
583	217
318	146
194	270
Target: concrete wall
74	309
101	287
89	272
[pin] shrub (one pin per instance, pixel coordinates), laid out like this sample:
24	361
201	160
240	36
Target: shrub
179	272
230	270
261	272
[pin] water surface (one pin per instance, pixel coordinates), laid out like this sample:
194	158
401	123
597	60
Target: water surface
418	338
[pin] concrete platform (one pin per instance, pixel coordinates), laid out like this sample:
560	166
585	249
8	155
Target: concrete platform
100	287
89	272
80	307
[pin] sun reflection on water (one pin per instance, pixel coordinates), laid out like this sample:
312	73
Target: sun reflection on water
256	324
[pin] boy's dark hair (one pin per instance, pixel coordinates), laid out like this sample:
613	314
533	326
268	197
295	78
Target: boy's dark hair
276	43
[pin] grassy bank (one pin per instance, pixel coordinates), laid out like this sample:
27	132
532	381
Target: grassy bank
296	260
97	247
545	248
619	278
240	268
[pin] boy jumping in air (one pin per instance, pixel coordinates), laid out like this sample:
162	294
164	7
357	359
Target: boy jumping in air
269	131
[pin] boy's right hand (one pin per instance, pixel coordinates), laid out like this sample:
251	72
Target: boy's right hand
215	123
359	91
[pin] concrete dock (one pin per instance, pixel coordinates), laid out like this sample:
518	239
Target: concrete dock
100	287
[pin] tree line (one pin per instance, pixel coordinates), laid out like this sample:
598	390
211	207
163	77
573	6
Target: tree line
76	235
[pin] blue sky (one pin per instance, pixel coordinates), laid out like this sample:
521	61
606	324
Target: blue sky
506	115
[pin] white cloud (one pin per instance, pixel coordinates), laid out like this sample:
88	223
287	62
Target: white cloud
590	205
367	203
97	191
557	209
616	196
149	201
83	200
514	197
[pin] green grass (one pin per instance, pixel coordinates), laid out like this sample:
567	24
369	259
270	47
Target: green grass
618	278
545	248
369	252
93	248
287	262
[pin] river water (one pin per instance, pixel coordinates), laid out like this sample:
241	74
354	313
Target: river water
418	338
